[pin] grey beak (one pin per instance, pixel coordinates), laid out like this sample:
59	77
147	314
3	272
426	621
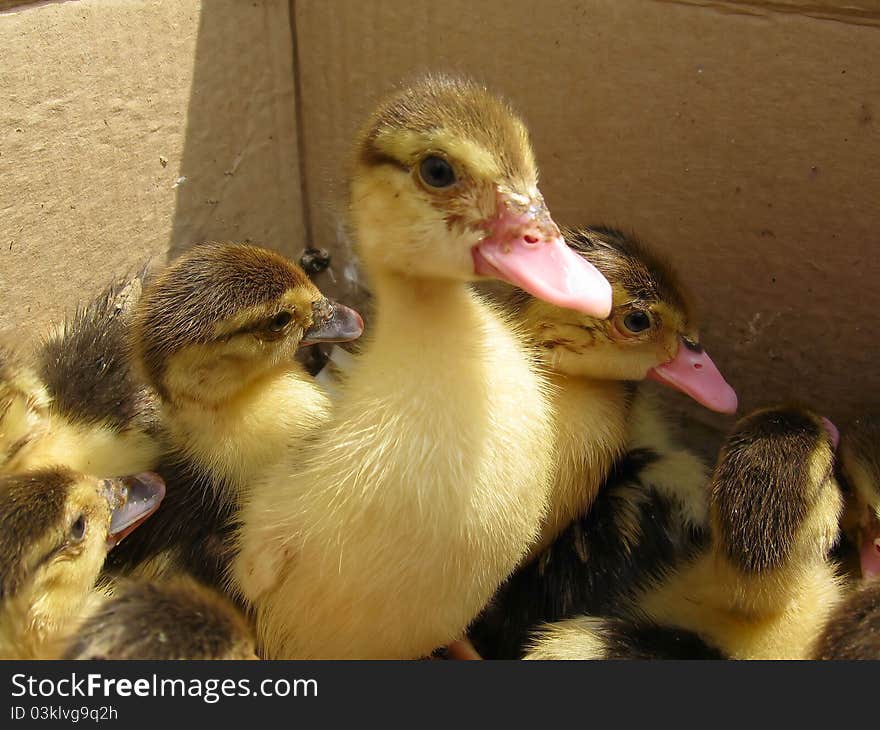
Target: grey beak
333	322
132	499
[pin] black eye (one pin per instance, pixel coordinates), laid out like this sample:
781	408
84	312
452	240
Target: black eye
280	321
78	529
637	321
436	172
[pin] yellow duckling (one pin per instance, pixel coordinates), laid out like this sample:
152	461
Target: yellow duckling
595	363
95	416
55	529
215	336
385	536
628	502
764	587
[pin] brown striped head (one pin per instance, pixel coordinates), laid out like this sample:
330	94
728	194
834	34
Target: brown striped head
652	326
56	526
427	167
221	316
446	186
774	498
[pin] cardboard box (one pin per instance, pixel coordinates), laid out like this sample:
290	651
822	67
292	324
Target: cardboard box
132	130
743	139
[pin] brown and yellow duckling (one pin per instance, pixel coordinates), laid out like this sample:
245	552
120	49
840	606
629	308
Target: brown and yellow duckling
765	586
386	536
595	364
175	619
628	501
95	416
215	335
56	527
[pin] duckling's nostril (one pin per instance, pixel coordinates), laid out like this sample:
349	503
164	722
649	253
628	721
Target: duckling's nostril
698	366
531	239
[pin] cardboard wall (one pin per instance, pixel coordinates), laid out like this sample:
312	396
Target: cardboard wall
131	130
743	139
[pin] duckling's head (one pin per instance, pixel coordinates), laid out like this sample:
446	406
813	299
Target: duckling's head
860	468
445	186
651	332
224	315
774	498
55	529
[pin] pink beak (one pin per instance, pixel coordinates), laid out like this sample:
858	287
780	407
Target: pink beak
692	372
524	248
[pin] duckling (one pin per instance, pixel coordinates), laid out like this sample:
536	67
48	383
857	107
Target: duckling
623	486
765	586
98	418
860	470
853	630
214	336
175	619
385	536
24	403
595	365
56	527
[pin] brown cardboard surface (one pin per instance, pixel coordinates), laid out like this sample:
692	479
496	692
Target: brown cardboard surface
744	144
865	12
131	129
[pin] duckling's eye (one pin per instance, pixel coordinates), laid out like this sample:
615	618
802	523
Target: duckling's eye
280	321
437	172
637	321
78	529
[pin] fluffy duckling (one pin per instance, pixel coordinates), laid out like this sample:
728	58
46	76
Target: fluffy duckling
764	587
97	418
24	404
386	536
55	529
623	486
853	630
215	336
759	591
595	363
175	619
860	469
